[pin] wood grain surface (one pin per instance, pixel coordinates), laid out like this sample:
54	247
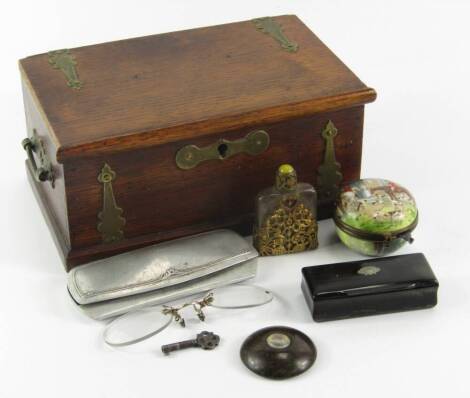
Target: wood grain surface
157	89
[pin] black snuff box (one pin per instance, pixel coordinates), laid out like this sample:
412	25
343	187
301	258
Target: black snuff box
369	287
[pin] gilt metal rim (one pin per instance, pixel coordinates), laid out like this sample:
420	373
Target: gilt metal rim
403	233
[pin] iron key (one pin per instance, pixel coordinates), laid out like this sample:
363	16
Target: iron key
205	340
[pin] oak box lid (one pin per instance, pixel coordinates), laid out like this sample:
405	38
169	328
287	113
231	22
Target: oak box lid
167	87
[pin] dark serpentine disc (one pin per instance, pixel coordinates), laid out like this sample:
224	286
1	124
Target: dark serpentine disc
278	352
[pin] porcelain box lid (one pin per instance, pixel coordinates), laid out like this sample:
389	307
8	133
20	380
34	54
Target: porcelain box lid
377	207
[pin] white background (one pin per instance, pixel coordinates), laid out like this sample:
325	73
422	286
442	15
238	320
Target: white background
416	55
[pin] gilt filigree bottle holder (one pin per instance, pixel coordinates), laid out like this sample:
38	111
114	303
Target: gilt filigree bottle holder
291	228
286	216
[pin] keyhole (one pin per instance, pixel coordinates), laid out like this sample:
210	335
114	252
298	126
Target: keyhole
222	148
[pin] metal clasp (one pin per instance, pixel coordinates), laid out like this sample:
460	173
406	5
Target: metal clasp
44	171
270	27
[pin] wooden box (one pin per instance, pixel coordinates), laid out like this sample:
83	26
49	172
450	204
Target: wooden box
143	140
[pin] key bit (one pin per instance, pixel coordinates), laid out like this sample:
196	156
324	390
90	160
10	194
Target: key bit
205	340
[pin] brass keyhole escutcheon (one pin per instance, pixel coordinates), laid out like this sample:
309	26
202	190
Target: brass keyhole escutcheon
253	143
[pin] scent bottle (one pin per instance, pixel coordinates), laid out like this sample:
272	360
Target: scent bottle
286	220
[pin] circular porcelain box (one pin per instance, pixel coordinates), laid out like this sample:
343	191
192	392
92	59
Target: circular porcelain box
375	217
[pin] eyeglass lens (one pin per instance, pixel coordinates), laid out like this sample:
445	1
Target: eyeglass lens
139	325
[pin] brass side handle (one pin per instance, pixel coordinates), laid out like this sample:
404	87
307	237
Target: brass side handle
254	143
42	172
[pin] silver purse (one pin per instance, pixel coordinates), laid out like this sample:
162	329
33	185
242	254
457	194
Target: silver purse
161	273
